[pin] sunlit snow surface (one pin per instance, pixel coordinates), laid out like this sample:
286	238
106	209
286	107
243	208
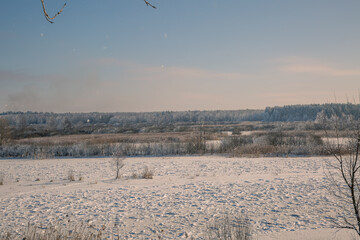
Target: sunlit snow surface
278	195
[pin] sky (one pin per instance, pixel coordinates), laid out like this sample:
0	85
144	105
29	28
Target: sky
123	56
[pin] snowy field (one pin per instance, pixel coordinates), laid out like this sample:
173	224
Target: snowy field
284	198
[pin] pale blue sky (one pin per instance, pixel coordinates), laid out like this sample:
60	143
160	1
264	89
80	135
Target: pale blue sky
120	55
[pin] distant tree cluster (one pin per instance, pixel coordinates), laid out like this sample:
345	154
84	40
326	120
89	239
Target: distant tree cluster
63	121
309	112
4	131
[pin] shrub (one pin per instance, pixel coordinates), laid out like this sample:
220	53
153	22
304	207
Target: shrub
134	175
2	177
254	150
42	154
232	142
147	173
58	232
228	228
71	175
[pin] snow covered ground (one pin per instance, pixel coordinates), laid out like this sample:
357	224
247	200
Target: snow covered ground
284	198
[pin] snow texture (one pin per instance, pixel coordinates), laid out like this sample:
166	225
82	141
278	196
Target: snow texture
280	196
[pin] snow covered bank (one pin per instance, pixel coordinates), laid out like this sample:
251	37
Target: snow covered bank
279	195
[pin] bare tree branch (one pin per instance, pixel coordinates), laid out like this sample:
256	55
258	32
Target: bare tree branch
343	171
48	18
149	4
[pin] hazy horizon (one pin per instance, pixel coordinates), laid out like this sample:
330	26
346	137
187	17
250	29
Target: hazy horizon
113	56
193	110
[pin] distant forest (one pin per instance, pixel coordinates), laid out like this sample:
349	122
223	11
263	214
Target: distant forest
38	124
270	114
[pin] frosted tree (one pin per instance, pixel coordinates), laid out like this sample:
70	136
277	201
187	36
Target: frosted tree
118	163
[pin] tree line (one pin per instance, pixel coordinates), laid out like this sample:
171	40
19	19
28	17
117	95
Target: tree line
270	114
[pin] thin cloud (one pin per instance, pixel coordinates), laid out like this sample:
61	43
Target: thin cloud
194	73
9	76
320	70
26	77
112	62
177	72
302	65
